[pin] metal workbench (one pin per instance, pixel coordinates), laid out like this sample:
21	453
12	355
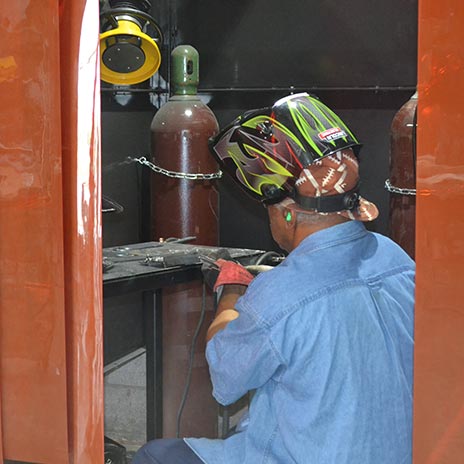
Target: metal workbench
143	270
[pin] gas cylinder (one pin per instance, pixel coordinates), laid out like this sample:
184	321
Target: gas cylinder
402	182
180	130
184	204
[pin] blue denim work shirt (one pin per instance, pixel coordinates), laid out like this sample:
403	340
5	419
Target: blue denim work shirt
326	339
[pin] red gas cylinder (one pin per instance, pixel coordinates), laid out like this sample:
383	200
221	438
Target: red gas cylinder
402	182
185	203
183	206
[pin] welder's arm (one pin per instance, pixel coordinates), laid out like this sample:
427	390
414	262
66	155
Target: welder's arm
225	310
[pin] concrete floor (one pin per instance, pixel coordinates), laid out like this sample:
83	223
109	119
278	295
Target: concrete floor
125	405
125	414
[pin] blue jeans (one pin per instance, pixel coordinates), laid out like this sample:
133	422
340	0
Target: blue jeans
166	451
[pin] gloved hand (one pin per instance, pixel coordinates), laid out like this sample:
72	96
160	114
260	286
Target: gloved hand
223	272
231	273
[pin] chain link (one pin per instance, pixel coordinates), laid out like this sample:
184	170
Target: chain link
175	174
402	191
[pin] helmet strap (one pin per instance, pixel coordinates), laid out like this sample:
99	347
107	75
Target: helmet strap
330	204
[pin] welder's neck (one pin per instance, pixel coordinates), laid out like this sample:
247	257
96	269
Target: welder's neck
304	229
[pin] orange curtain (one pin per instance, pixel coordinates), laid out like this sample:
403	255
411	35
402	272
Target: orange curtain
51	361
1	433
80	97
439	329
80	100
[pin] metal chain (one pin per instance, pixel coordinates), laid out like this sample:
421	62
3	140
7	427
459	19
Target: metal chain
175	174
402	191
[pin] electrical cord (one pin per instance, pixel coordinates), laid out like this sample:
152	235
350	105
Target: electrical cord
191	358
180	240
265	256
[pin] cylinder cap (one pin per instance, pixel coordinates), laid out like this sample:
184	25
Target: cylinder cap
185	70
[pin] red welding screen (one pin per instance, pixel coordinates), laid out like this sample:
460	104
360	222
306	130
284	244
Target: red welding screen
32	344
80	99
50	267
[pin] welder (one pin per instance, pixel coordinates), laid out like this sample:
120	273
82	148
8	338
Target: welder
324	339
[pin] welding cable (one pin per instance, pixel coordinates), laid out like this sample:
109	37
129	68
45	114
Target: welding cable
191	358
265	256
180	240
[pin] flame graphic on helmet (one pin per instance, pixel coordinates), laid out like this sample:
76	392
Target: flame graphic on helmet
261	162
266	149
309	123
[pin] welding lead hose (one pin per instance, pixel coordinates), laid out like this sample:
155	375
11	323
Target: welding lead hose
191	358
256	269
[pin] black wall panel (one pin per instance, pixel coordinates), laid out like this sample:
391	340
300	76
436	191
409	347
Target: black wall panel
328	43
124	134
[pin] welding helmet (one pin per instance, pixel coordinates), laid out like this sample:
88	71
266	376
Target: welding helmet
265	150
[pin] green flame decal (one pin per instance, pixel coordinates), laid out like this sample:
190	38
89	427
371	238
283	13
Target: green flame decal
249	170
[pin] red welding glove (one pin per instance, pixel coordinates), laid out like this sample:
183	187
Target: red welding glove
231	273
223	272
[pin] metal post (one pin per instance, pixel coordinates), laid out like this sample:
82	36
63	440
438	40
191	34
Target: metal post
154	368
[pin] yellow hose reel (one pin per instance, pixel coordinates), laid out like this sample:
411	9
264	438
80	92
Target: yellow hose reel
129	55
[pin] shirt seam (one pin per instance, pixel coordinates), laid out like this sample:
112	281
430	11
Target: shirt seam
268	324
267	450
223	400
266	331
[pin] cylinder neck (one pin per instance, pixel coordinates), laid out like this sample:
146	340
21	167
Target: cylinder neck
184	71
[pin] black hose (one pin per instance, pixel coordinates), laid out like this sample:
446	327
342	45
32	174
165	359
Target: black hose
265	256
191	358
